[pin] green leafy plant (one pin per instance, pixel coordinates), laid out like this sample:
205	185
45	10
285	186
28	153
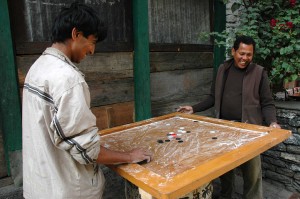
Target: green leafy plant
275	26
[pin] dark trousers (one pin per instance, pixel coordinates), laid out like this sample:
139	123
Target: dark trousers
252	180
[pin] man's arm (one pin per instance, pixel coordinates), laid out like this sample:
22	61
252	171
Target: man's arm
207	103
107	156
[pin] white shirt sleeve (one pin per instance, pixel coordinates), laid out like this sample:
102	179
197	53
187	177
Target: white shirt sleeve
74	125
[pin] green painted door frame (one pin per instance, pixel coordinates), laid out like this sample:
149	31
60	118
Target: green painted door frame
141	63
10	106
219	26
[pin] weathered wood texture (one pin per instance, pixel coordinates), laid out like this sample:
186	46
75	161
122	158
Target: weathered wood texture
33	19
179	79
114	115
173	21
174	25
32	22
176	79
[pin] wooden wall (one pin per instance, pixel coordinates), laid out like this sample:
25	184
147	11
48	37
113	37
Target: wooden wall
177	78
181	64
32	22
179	22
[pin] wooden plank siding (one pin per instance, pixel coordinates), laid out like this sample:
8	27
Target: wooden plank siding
179	21
32	22
182	78
176	78
180	64
174	25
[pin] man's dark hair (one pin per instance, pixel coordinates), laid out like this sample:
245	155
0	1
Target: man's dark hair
80	16
243	39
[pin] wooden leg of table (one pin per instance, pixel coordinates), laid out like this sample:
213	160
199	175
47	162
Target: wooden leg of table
145	195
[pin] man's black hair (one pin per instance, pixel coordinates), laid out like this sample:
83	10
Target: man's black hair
80	16
244	39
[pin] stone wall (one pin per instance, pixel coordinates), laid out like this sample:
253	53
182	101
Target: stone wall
281	164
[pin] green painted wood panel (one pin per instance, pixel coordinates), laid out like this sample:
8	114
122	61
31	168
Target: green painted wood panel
141	63
10	106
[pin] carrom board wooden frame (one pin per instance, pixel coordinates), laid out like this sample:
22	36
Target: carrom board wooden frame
190	180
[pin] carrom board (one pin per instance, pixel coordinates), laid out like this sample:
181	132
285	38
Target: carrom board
188	150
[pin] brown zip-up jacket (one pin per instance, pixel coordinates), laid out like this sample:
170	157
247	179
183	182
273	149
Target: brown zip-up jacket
257	101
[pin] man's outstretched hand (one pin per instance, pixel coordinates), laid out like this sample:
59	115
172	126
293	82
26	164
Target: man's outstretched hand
139	155
185	109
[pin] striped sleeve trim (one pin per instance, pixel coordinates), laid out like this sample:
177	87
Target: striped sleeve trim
41	94
70	141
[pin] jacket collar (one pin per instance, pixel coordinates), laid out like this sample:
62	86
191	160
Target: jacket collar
60	55
230	62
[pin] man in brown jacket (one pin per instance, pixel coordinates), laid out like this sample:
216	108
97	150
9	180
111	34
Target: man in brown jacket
241	93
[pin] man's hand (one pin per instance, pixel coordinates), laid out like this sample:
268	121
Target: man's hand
138	155
275	125
185	109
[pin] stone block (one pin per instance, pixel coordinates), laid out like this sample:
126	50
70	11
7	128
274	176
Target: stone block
293	149
279	178
279	147
275	161
290	157
297	176
295	122
286	172
295	167
267	166
272	153
294	140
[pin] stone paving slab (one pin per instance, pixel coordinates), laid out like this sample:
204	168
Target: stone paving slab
270	191
115	189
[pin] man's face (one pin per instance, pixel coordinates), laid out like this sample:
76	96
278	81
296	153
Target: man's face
82	46
243	55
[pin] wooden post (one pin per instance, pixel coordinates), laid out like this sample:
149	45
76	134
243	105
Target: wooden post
10	106
219	26
141	63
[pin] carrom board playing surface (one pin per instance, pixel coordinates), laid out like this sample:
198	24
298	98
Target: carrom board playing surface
188	150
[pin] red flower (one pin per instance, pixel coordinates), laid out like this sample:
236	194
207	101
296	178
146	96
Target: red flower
292	3
289	24
273	22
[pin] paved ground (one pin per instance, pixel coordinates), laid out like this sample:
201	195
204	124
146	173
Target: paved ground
270	191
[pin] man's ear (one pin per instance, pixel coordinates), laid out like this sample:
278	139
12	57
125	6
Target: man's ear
232	51
75	33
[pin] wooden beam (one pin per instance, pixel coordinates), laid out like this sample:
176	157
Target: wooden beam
180	47
219	26
10	106
141	60
33	48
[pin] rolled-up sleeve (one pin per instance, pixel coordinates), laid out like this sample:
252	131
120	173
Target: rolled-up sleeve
74	125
